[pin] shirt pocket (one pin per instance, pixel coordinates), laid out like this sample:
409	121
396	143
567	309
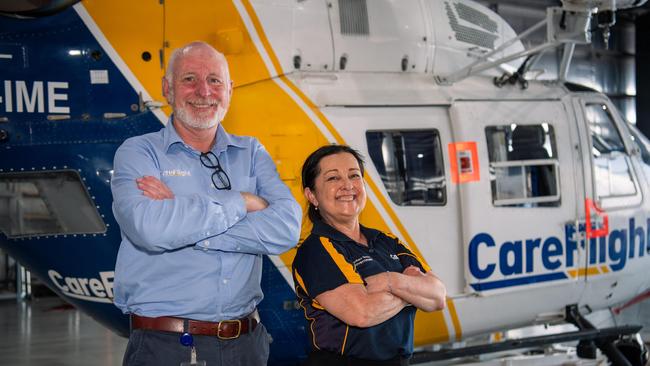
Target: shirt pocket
245	184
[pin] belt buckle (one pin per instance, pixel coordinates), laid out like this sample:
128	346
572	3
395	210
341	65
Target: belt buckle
238	322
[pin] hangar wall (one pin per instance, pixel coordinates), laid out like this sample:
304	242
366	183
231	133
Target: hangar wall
607	67
643	73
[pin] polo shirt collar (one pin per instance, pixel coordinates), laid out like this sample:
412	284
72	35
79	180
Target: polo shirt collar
323	229
224	139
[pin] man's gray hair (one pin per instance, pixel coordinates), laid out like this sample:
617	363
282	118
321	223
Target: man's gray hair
177	53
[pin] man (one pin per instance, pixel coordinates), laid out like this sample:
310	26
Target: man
197	208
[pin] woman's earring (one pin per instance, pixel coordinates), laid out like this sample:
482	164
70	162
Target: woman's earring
316	208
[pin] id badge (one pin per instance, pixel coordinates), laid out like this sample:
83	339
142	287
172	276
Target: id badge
186	339
193	361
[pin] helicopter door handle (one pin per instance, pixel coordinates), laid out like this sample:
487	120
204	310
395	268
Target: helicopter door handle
579	233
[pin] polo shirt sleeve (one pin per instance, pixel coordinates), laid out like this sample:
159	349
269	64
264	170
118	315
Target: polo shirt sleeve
406	256
319	267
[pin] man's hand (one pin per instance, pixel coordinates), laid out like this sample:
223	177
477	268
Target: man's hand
254	202
153	188
413	271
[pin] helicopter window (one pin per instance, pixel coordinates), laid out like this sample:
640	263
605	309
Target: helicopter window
523	165
410	165
642	142
46	203
611	162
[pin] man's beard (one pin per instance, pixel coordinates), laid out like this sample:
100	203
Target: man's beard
200	122
184	116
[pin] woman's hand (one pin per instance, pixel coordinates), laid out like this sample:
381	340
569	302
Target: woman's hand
424	290
354	305
378	283
413	271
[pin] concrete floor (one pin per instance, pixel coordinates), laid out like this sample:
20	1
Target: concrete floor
47	331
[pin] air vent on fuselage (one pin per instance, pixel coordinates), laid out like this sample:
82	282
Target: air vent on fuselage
354	17
483	38
476	17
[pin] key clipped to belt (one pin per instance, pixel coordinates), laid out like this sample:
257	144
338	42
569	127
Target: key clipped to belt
187	340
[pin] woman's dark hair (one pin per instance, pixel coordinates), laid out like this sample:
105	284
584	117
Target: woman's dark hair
311	169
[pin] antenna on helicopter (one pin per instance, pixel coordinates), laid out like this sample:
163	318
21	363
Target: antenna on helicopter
566	26
606	20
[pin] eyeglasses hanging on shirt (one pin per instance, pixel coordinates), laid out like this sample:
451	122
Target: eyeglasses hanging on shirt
210	160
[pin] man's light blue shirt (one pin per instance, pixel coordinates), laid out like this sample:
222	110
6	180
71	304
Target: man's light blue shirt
198	255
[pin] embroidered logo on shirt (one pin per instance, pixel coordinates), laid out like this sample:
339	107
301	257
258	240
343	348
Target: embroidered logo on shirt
361	260
176	173
394	256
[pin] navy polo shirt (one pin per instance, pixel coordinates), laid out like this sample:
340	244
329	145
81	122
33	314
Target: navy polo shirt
328	259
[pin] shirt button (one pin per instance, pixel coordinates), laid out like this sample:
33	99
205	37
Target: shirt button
238	248
207	233
225	281
206	243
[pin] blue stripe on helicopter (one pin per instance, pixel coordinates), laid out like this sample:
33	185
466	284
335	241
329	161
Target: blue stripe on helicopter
491	285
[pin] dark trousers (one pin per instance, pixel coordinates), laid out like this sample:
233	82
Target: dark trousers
324	358
148	347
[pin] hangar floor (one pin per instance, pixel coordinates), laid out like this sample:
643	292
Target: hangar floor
48	331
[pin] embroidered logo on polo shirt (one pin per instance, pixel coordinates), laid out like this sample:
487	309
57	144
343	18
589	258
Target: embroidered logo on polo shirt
176	173
361	260
394	256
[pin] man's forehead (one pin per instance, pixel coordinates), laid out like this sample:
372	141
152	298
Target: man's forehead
201	66
201	59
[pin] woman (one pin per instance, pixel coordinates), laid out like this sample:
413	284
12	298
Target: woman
359	287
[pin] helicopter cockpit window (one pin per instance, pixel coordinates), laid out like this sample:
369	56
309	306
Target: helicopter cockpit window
611	162
46	203
643	144
410	165
524	170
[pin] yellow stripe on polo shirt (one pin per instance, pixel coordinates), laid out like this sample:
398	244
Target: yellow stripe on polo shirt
317	305
301	283
347	329
346	268
311	323
411	253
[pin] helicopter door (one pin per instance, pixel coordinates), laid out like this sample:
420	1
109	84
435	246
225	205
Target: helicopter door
517	172
614	218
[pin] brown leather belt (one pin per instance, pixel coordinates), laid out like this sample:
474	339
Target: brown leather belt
226	329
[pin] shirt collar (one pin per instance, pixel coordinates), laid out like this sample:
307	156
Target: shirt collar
170	135
224	139
323	229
